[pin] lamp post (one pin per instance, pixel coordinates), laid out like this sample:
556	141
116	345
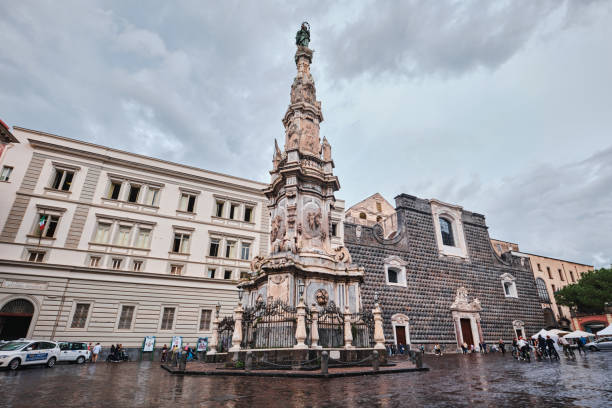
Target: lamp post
217	309
240	294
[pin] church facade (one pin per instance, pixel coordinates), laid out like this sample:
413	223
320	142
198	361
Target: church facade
438	279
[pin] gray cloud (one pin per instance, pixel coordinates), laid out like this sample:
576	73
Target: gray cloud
487	104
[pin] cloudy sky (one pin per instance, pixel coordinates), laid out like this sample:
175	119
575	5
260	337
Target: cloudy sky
502	107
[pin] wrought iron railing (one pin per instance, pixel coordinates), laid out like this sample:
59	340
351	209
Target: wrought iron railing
331	326
269	325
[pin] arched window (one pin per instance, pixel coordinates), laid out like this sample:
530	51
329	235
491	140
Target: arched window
18	306
447	232
542	292
362	216
392	275
378	219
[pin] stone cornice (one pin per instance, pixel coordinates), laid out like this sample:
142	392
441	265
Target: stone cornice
108	158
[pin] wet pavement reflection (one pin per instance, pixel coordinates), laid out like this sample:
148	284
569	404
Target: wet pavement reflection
454	380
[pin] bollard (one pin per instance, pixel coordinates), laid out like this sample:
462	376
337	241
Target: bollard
248	366
419	360
324	362
375	361
183	362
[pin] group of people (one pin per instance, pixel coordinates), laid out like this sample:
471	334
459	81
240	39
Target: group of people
117	353
176	352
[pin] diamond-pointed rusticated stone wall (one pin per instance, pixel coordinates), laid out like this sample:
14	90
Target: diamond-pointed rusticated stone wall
432	278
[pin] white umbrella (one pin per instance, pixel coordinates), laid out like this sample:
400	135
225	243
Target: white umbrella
542	332
558	332
577	334
605	332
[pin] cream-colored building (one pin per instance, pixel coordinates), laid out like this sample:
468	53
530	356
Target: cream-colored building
98	244
373	210
550	275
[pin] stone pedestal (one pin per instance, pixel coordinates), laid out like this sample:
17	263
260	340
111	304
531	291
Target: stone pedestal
237	336
348	333
214	341
314	328
300	331
379	335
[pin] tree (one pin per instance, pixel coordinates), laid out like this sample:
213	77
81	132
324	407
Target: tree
590	294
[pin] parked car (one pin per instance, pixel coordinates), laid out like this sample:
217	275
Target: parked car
74	351
605	343
28	352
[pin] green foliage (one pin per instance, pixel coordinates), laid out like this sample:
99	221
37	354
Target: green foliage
239	364
590	294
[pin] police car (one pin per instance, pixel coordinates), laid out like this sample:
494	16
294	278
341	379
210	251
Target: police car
74	351
28	352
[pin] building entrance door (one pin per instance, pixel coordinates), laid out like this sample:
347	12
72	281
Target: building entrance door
466	332
15	319
400	335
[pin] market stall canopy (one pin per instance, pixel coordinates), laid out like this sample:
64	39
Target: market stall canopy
558	332
577	334
542	332
605	332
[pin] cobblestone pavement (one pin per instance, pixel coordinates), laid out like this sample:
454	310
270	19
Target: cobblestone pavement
454	380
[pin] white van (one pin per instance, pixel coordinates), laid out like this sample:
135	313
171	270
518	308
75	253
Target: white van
74	351
28	352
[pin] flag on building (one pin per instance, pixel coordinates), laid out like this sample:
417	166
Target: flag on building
42	222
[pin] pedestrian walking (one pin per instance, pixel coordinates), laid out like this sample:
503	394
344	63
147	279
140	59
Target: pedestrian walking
94	354
502	346
164	353
581	342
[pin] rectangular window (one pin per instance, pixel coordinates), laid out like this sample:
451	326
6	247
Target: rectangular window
246	251
572	277
211	273
214	247
137	266
6	173
539	267
248	214
228	274
36	256
230	249
94	261
234	210
187	203
62	180
144	238
553	288
176	270
47	224
219	208
114	190
125	320
181	243
549	272
79	319
334	230
134	193
378	207
123	236
205	320
561	275
102	233
151	197
116	264
167	318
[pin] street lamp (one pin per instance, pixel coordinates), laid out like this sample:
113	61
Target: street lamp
240	293
218	308
300	288
376	297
